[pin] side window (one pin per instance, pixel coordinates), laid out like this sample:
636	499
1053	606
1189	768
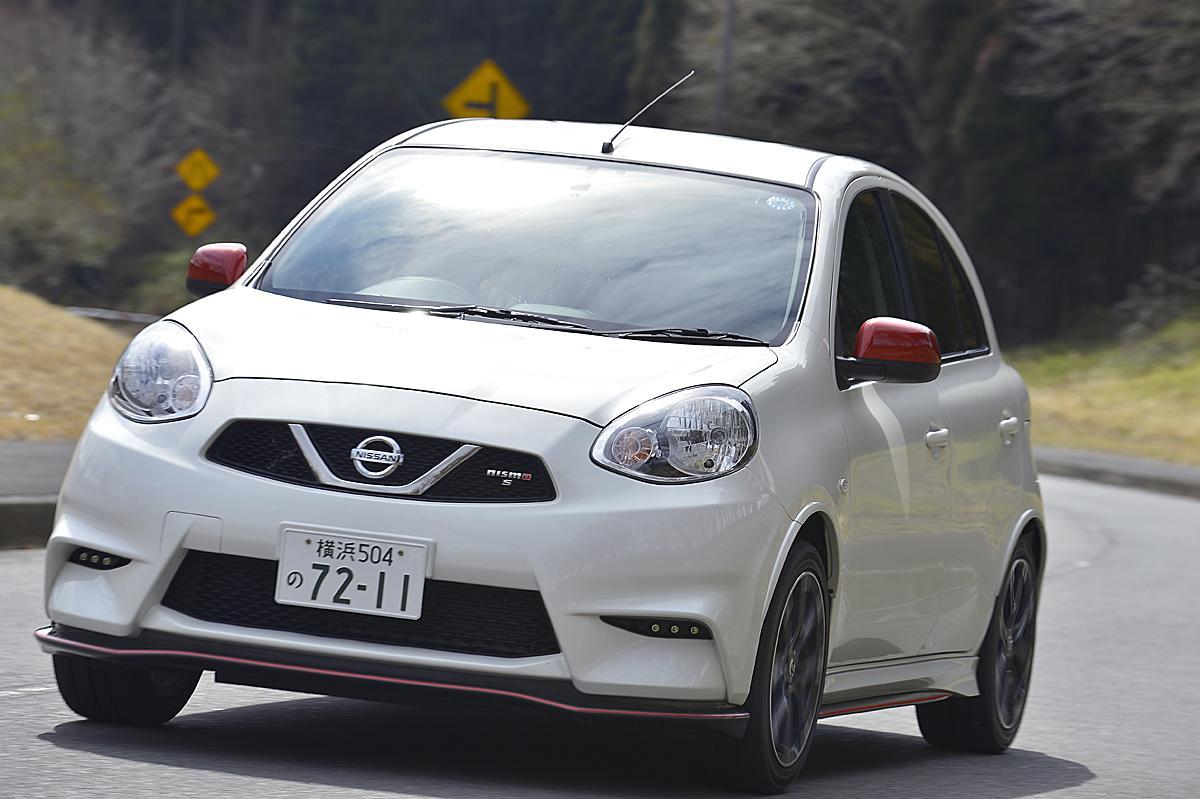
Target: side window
934	297
969	318
868	281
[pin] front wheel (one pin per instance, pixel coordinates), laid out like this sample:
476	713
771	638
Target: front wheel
789	677
989	722
119	694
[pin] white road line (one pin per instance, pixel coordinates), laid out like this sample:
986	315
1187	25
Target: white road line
26	691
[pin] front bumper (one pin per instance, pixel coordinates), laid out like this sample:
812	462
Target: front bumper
262	667
607	546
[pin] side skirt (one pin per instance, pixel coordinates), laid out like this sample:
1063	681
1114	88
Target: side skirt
876	683
882	703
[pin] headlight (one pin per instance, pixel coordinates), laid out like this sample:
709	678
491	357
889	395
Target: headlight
161	376
694	434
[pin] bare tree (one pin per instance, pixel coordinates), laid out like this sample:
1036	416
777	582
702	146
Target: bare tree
87	129
90	131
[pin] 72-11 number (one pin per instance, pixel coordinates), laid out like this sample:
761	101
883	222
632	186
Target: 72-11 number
347	576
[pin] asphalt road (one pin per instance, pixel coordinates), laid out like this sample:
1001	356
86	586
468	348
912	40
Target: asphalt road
33	468
1113	712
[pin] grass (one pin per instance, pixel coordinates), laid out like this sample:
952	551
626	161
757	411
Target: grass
1138	397
53	367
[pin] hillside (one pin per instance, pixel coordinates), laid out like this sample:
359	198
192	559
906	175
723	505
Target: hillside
53	367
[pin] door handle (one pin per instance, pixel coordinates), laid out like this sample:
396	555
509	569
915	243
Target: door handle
1009	428
937	438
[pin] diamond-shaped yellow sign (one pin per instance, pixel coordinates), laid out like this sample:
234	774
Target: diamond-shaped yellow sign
197	169
193	215
487	92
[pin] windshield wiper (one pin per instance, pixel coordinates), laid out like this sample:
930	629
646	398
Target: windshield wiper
694	334
381	306
502	313
458	311
699	334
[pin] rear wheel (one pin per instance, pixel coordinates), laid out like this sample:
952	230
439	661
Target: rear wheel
989	722
789	677
102	691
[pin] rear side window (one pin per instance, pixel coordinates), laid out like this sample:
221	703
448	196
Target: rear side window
868	283
935	304
969	319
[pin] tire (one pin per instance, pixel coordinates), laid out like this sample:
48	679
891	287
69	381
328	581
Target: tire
789	680
102	691
988	723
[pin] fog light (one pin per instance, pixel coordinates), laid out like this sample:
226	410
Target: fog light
660	628
95	559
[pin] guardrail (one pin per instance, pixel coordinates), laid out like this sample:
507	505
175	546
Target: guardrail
113	316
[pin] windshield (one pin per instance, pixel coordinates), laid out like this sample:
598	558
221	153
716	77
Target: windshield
613	246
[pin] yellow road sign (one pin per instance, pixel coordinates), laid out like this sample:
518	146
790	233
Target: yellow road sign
487	92
197	169
193	215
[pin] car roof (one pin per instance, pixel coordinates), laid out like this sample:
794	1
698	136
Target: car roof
768	161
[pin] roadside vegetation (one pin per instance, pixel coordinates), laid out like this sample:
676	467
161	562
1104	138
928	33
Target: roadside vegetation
53	367
1135	395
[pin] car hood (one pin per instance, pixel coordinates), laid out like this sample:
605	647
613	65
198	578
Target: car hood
249	333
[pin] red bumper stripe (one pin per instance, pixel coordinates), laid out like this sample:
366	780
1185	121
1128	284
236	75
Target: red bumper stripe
45	636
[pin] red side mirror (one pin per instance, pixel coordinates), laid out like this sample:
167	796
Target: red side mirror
895	350
214	267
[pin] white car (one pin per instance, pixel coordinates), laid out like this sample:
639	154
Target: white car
702	430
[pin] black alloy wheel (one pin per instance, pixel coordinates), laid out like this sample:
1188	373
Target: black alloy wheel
789	679
796	668
989	722
1013	658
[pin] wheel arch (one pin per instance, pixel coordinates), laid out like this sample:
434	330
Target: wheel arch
1036	531
817	529
814	525
1031	525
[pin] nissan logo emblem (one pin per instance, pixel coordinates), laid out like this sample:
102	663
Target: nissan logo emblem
376	457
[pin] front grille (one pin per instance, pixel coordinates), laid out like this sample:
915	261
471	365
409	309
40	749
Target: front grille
269	449
471	481
264	448
456	617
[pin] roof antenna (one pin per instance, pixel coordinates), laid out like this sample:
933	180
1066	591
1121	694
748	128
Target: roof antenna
607	147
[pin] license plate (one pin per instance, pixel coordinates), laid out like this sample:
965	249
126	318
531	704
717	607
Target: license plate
355	573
